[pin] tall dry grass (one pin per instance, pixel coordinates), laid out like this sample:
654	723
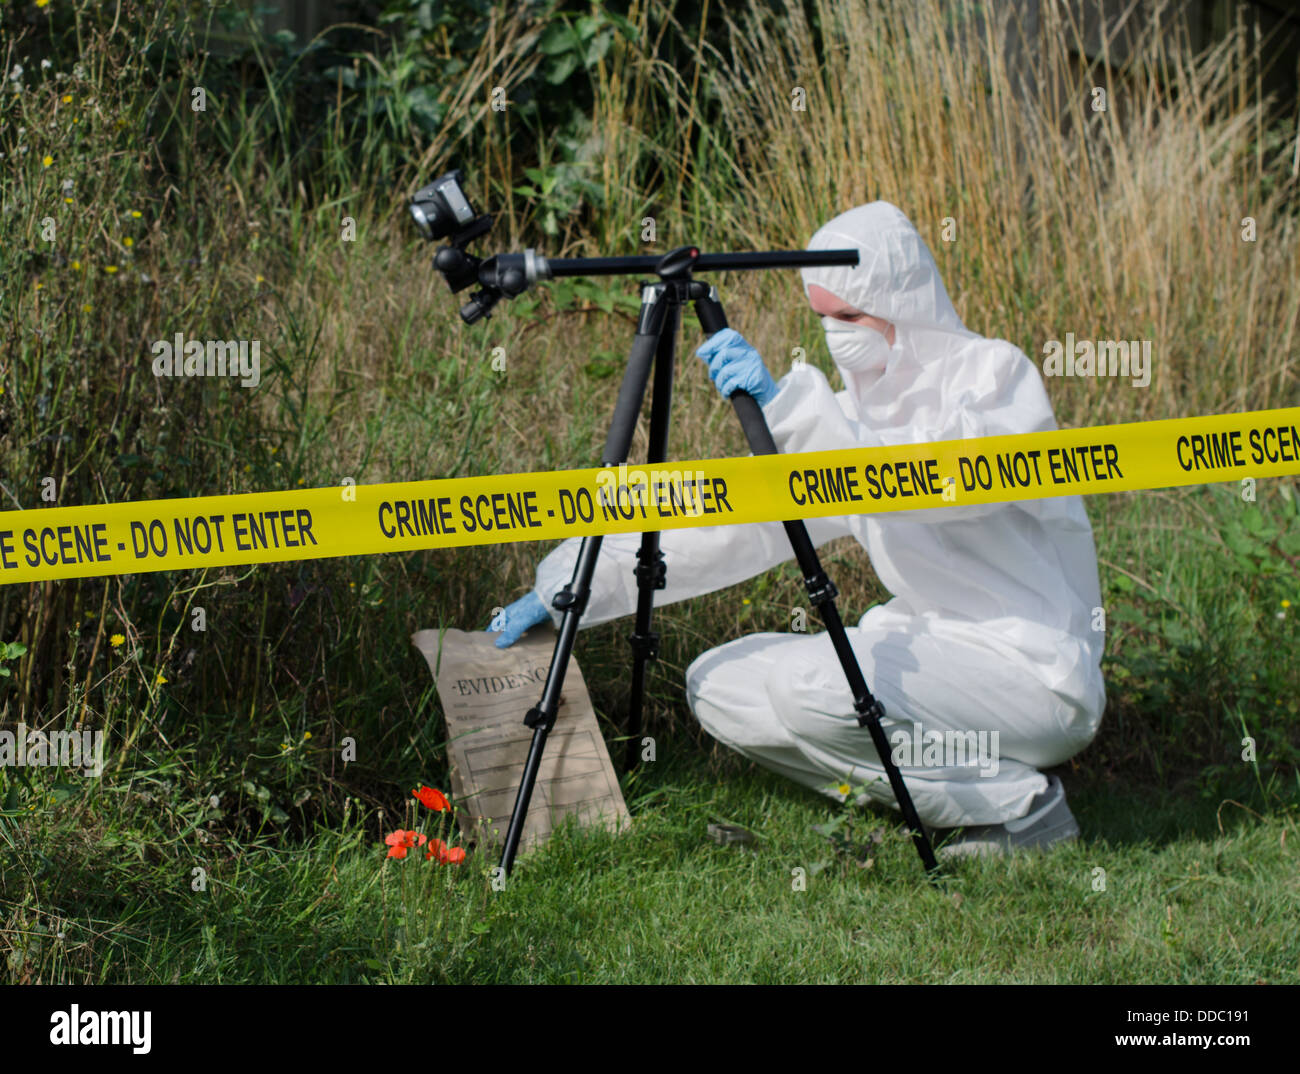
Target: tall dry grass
1125	223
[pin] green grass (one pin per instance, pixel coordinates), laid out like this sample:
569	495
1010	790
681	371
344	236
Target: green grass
1193	892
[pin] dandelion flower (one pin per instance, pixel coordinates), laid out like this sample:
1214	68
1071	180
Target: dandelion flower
844	789
47	160
116	641
128	241
110	269
135	214
1286	603
67	98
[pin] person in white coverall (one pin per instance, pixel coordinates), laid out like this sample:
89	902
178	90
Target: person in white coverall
991	625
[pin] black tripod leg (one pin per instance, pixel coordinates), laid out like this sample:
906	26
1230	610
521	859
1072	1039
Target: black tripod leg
822	593
650	572
572	600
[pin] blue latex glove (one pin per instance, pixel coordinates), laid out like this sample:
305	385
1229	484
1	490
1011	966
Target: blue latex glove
518	618
735	366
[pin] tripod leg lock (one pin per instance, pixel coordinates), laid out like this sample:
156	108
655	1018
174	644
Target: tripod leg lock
647	644
535	717
821	590
566	598
653	574
867	708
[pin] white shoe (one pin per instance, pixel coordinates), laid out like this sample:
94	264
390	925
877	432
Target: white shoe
1048	821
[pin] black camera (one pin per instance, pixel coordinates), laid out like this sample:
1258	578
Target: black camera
442	208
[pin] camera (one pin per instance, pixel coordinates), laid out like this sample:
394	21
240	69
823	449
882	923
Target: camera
442	208
442	211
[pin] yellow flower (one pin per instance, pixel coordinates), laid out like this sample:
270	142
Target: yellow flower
306	736
42	3
87	308
67	98
39	286
110	269
160	679
261	279
47	161
128	241
116	641
844	788
67	201
76	266
745	600
284	745
1286	604
135	214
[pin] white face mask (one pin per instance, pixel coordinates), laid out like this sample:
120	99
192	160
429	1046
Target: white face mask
855	348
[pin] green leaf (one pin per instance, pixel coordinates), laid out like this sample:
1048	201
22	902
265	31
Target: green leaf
561	69
597	49
558	38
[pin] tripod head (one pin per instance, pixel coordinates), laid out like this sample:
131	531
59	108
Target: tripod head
442	210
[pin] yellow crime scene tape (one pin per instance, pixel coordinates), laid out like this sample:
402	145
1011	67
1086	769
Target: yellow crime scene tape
350	520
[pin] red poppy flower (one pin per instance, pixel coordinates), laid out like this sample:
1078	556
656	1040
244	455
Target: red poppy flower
431	799
397	852
444	855
401	839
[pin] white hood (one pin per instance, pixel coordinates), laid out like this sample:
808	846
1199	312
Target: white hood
896	279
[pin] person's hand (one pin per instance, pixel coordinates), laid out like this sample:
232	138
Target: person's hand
735	366
518	618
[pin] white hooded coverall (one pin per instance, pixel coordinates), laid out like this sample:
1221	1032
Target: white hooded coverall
991	625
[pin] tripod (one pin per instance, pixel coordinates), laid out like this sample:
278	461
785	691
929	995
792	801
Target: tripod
654	345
